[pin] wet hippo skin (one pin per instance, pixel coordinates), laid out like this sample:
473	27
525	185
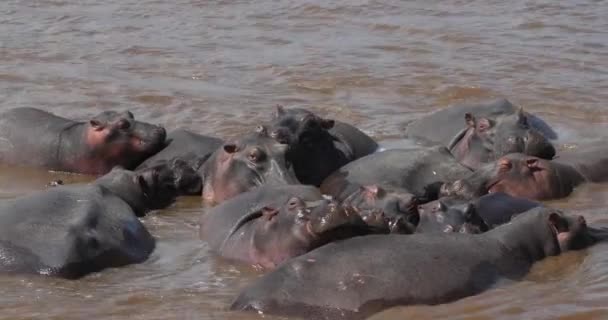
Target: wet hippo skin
243	164
357	277
317	146
187	146
530	177
443	125
70	231
269	224
37	138
411	170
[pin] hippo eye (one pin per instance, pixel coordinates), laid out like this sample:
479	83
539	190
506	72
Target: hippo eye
293	203
124	125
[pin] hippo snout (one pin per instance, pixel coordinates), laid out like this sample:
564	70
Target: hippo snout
537	145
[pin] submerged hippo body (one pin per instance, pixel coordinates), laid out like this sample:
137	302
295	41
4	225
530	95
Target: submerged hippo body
37	138
188	146
471	216
269	225
412	170
318	146
532	178
485	140
357	277
73	230
248	162
449	215
443	125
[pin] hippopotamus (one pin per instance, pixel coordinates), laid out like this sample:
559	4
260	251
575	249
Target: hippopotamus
241	165
360	276
450	215
411	170
37	138
188	146
441	126
484	140
383	209
70	231
269	225
318	146
486	212
532	178
185	179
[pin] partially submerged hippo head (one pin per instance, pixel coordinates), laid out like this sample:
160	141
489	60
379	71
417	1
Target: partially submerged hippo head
186	179
570	232
450	215
248	162
297	126
485	140
148	189
386	211
298	227
118	139
518	175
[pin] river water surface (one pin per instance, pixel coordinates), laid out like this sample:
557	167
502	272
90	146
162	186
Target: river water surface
218	66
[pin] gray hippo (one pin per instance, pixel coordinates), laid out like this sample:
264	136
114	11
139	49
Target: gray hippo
357	277
484	140
72	230
411	170
392	210
443	125
532	178
187	146
248	162
481	214
449	215
269	225
37	138
318	146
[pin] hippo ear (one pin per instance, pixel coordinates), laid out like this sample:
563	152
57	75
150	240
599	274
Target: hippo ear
96	124
522	119
469	120
327	124
261	129
279	111
230	148
558	222
484	124
129	115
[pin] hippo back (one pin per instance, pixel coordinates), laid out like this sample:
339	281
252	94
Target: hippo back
72	231
441	126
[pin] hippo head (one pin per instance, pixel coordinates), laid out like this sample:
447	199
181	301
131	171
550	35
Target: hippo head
485	140
298	227
298	127
148	189
117	139
386	211
518	175
186	180
566	232
248	162
449	215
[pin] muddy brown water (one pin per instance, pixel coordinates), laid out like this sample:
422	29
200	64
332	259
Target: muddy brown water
217	67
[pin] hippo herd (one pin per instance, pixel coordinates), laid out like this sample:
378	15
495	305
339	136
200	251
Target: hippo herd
341	228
